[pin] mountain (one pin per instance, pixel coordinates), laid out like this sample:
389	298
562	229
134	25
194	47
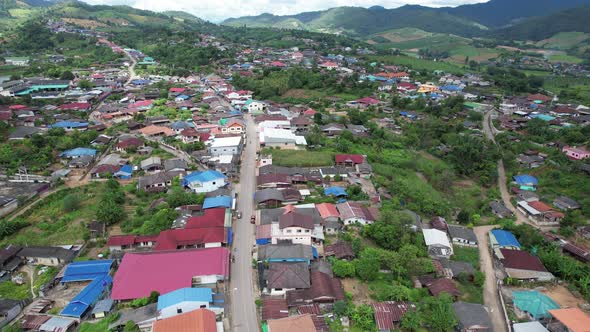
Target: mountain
184	16
539	28
498	13
358	21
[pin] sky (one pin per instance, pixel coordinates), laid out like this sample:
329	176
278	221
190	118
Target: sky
218	10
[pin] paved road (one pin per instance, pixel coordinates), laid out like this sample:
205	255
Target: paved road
243	309
490	291
132	75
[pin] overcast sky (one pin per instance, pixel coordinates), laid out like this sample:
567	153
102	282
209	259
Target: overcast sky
218	10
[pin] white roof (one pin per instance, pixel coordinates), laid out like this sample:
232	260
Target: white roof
529	209
436	237
529	327
274	124
305	192
223	159
225	141
274	135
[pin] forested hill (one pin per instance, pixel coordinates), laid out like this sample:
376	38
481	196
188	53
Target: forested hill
571	20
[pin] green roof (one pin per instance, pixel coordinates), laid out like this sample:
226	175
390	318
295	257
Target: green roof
535	303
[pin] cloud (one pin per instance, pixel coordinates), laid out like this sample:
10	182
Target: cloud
216	11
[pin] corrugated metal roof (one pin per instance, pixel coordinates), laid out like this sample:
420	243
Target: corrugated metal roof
389	313
185	294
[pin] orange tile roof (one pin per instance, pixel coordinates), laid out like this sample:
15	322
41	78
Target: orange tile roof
327	210
200	320
573	318
301	323
153	130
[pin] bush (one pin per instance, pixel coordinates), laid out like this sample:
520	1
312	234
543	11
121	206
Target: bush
71	203
343	269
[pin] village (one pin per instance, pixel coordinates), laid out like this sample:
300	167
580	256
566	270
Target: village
133	200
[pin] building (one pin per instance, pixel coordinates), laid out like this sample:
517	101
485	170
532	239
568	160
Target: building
353	212
206	181
156	182
566	203
141	273
519	264
143	317
462	236
472	317
283	277
324	289
349	160
500	210
437	242
225	146
571	319
185	300
298	323
576	153
200	320
388	314
49	256
9	310
534	326
501	239
294	227
7	205
89	296
281	138
285	253
17	61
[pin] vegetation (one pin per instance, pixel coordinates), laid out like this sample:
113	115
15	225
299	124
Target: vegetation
300	158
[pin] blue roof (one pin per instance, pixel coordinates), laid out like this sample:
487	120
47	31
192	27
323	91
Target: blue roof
451	87
205	176
87	270
78	152
183	295
505	238
69	124
335	191
87	297
219	201
535	303
180	125
126	169
543	117
525	179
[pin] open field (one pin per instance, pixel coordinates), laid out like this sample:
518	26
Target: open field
565	58
563	40
300	158
418	64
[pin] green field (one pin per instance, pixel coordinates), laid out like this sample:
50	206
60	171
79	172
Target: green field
565	58
300	158
564	40
418	64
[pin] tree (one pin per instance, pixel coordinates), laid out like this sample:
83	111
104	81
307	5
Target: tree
109	212
367	268
71	203
67	75
343	269
362	317
411	320
85	84
463	217
340	308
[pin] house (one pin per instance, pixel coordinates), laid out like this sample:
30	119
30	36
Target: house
335	191
78	152
340	250
472	317
102	308
151	164
9	310
280	138
519	264
49	256
439	223
500	210
282	277
437	242
576	153
129	144
206	181
540	213
184	300
191	135
294	227
571	319
533	326
143	317
9	260
200	320
324	289
533	304
21	133
153	131
7	205
566	203
222	201
332	129
56	323
269	198
164	271
297	323
219	146
175	165
274	308
443	285
86	270
530	161
328	212
349	160
175	239
156	182
273	181
124	242
82	302
353	212
501	239
17	61
388	314
285	252
254	107
526	181
462	236
233	126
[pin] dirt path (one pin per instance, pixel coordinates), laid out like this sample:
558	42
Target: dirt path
490	290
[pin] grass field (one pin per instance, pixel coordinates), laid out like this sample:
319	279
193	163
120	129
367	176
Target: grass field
20	12
579	85
565	58
564	40
300	158
418	64
466	254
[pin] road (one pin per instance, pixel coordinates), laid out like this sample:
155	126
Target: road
490	291
243	309
131	68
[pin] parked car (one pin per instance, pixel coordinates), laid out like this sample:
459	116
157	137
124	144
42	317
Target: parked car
239	215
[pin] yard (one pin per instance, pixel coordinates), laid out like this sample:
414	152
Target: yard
300	158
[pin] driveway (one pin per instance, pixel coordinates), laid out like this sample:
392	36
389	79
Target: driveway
243	308
491	298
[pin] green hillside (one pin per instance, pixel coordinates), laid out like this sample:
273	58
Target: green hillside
359	22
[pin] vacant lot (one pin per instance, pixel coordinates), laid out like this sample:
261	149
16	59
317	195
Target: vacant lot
300	158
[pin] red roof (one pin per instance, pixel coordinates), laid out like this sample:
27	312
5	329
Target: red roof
327	210
174	238
133	141
540	97
406	86
211	218
443	285
368	101
540	206
347	158
521	260
75	106
388	313
274	308
141	273
310	112
141	103
277	64
177	89
106	168
17	107
121	240
5	115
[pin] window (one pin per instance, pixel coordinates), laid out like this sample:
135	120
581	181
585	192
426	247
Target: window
213	182
178	310
298	231
203	306
307	231
288	231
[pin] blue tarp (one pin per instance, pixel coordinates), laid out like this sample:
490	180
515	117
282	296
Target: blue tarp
314	252
261	242
451	87
77	152
543	117
125	172
335	191
87	270
526	180
505	238
219	201
183	295
87	297
69	124
230	236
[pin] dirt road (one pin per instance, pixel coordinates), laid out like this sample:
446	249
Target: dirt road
490	290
